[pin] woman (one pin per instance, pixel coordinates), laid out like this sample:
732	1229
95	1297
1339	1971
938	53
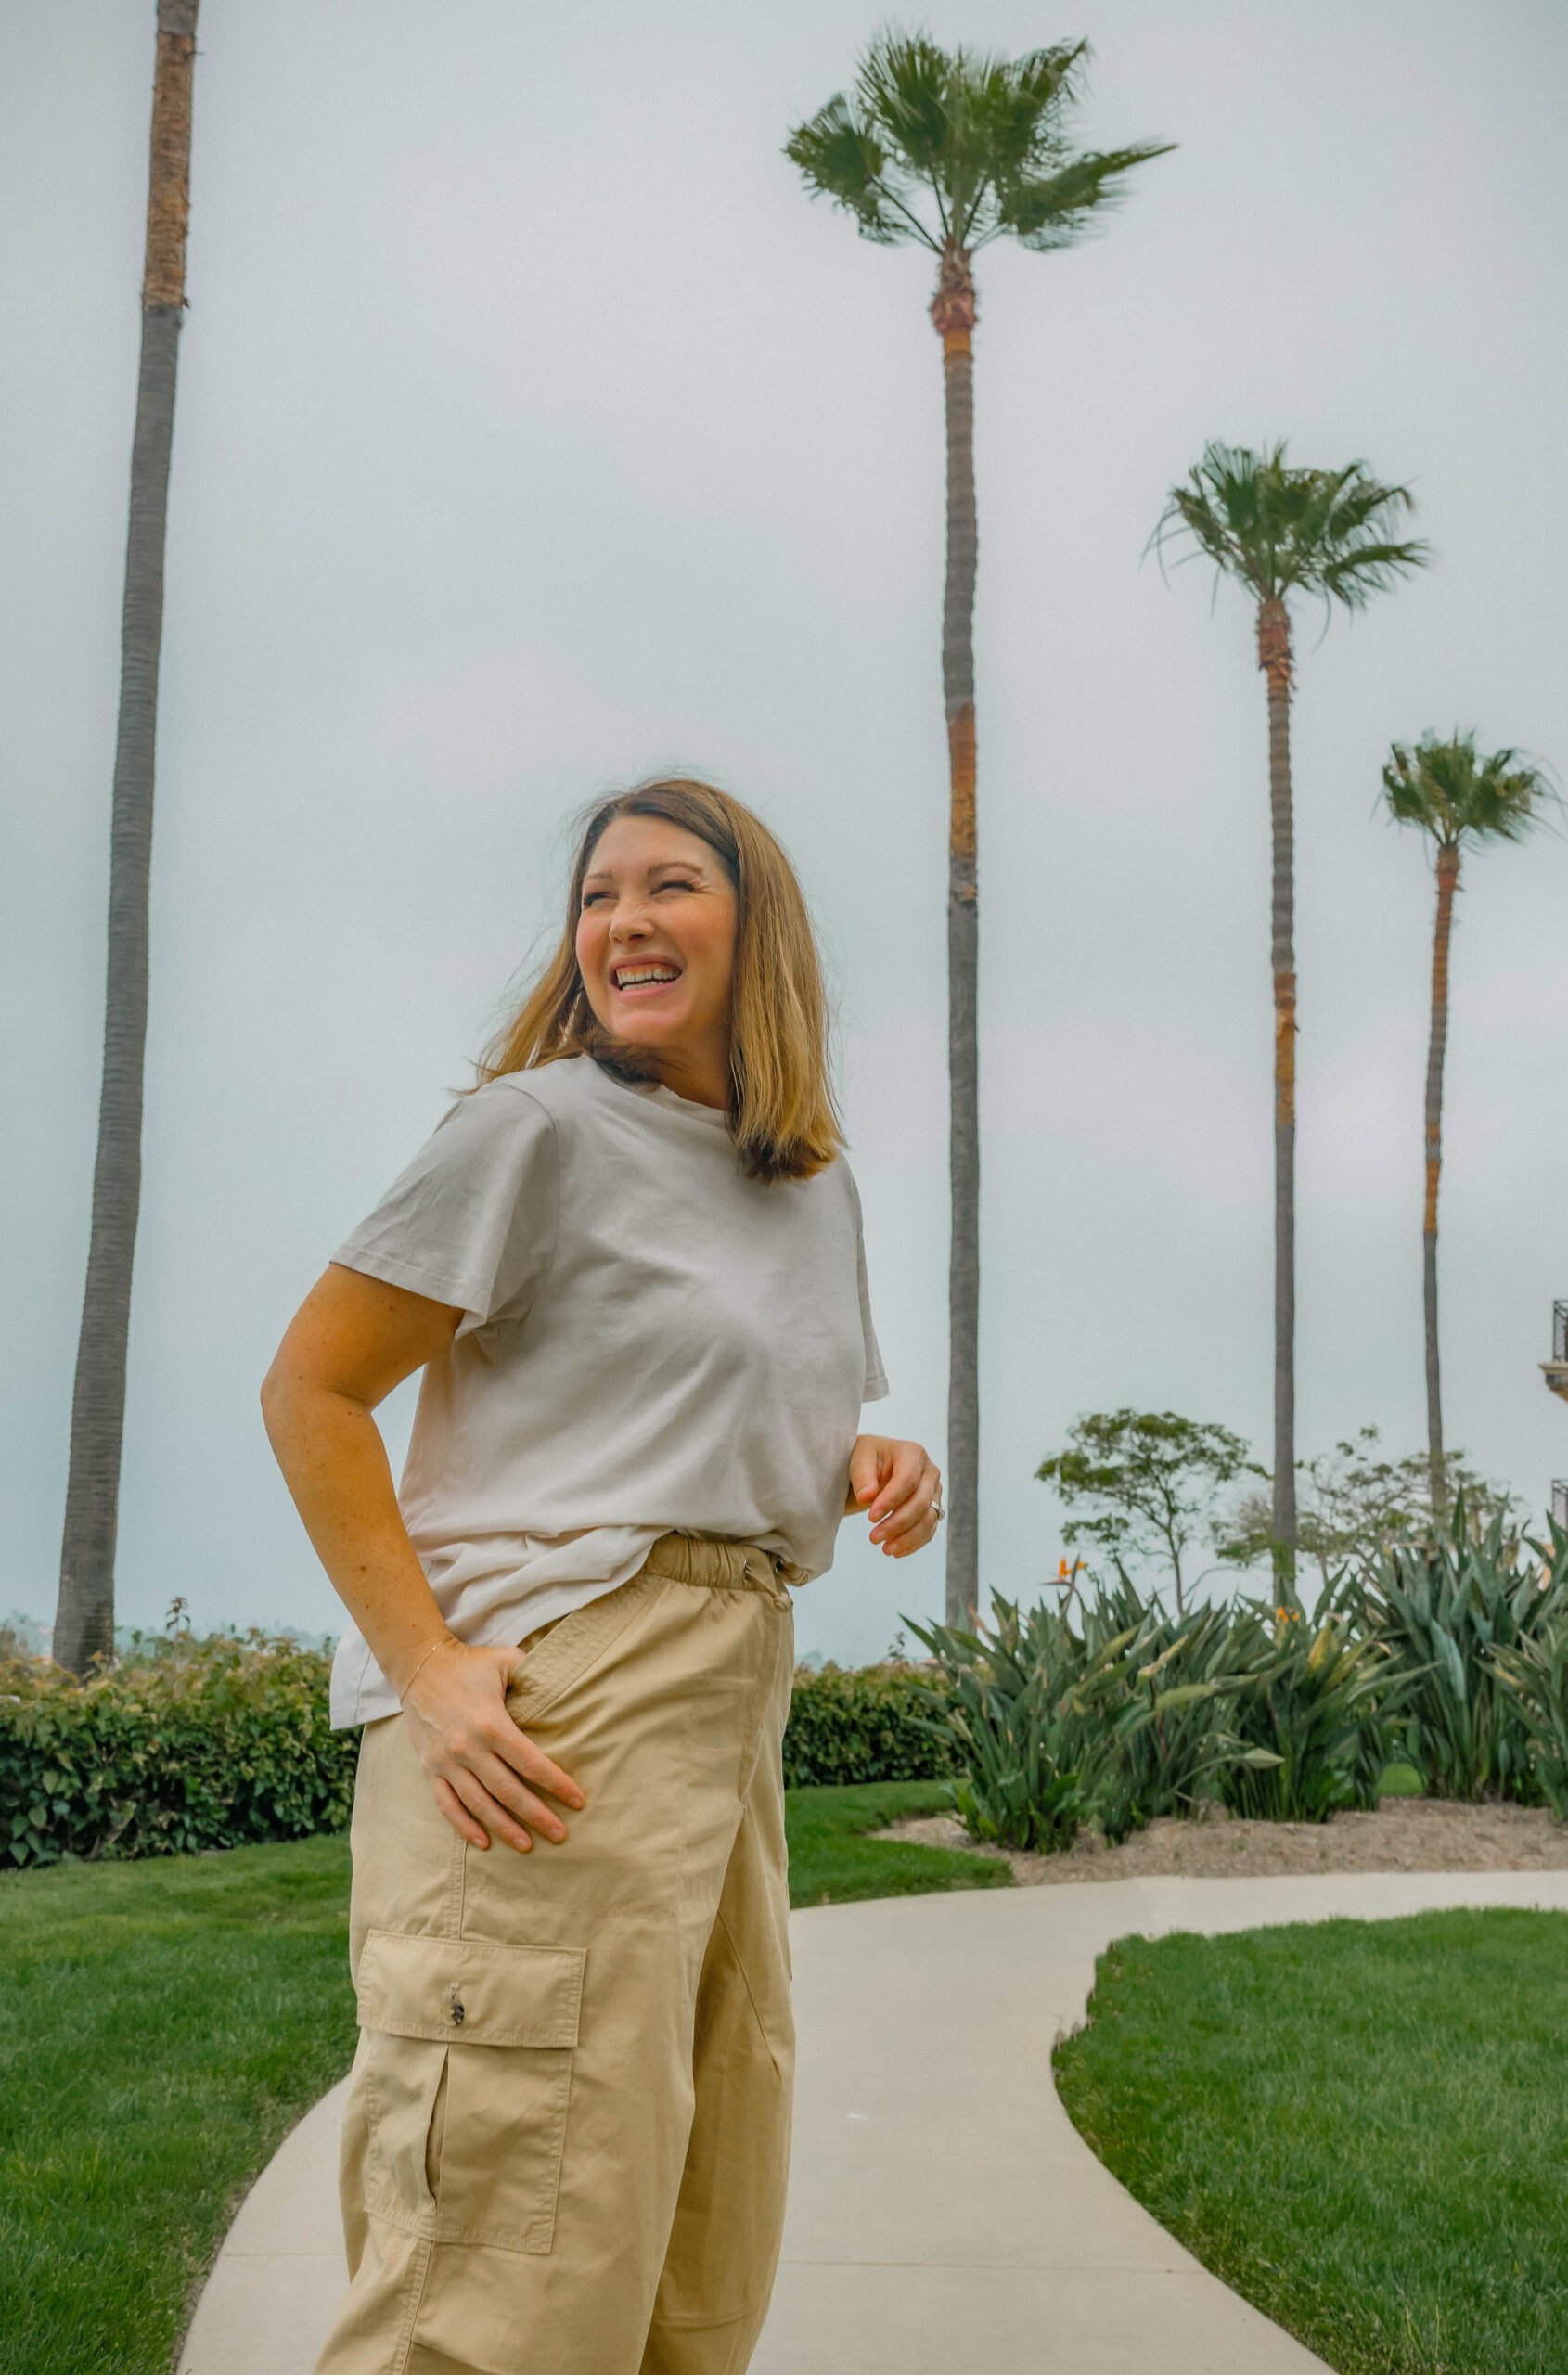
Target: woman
629	1262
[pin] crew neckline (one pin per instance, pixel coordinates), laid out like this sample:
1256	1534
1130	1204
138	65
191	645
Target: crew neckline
653	1092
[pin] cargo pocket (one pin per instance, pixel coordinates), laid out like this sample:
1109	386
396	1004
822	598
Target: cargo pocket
468	2053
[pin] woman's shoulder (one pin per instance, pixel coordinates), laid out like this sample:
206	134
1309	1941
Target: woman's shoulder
549	1089
843	1179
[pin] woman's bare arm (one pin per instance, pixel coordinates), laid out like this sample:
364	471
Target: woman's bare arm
352	1341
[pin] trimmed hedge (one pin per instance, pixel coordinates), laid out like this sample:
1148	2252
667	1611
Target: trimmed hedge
193	1741
862	1724
188	1742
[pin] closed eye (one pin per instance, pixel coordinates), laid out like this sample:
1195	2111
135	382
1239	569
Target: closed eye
676	883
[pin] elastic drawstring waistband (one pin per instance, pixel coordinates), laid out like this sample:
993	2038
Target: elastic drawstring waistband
558	1652
723	1565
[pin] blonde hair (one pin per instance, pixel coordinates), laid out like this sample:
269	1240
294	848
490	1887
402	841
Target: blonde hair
782	1114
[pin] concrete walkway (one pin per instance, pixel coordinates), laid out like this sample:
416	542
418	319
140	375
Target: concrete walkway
943	2211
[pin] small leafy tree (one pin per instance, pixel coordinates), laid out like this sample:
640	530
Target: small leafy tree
1142	1483
1357	1503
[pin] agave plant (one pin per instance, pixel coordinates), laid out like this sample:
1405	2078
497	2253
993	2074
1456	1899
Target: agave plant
1188	1689
1110	1723
1533	1672
1324	1702
1022	1713
1451	1611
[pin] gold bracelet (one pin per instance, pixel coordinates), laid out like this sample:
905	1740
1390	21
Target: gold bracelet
429	1653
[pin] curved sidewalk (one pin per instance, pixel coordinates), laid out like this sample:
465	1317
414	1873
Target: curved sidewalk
942	2210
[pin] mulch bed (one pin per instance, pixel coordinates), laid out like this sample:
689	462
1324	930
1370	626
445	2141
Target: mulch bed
1404	1835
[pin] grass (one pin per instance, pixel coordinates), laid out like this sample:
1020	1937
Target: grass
164	2024
832	1863
1360	2127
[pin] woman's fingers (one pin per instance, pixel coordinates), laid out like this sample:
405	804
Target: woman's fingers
520	1752
902	1476
911	1520
478	1760
499	1777
484	1786
458	1814
495	1821
911	1484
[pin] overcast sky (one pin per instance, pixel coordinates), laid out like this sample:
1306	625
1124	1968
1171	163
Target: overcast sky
535	431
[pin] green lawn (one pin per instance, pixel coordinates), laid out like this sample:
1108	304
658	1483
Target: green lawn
163	2024
1362	2127
832	1863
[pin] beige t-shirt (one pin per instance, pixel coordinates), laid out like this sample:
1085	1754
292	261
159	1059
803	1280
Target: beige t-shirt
649	1343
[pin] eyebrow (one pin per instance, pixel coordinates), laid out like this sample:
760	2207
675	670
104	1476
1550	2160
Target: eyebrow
661	866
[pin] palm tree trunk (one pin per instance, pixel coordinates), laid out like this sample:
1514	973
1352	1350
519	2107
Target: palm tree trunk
84	1617
953	312
1274	658
1448	883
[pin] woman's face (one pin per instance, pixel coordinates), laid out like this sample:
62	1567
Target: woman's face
657	901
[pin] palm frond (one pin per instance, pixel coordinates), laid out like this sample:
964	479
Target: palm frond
1219	507
1281	529
906	89
956	147
1372	568
1052	210
842	159
1021	102
1442	786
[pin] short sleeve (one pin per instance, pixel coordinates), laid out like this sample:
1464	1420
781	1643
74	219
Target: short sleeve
875	1387
471	1220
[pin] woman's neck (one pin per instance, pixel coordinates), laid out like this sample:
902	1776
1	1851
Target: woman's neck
704	1081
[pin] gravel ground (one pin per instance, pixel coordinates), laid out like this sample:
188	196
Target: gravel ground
1405	1835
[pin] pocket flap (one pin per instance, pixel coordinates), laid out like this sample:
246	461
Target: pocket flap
478	1990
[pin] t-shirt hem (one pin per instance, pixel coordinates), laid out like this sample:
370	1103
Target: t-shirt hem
364	1695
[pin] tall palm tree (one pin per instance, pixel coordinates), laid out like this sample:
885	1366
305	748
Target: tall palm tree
951	150
1281	531
85	1618
1458	801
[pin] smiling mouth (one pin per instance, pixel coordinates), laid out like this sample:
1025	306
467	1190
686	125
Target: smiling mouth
642	981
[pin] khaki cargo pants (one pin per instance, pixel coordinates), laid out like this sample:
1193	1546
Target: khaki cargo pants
568	2129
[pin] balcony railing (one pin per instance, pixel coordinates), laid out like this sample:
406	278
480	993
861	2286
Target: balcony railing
1556	1370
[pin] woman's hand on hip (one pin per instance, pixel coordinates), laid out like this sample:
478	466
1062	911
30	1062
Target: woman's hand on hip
899	1486
478	1762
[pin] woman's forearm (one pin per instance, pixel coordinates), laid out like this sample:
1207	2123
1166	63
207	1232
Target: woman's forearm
335	1465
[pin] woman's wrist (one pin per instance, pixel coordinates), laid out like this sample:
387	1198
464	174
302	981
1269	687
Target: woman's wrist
421	1658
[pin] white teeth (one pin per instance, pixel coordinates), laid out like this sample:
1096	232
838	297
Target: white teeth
626	980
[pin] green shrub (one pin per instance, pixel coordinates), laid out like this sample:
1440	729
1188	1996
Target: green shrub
861	1724
187	1742
1452	1612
